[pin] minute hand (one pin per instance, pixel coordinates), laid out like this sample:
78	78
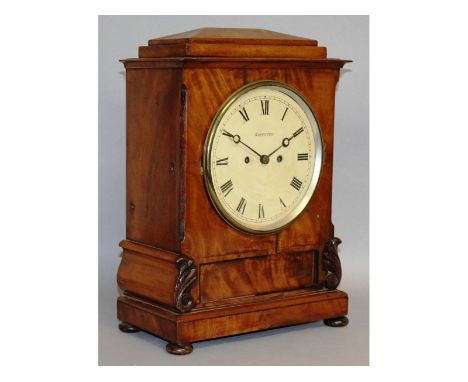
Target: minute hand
285	142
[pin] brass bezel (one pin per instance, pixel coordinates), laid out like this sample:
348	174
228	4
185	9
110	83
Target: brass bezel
299	98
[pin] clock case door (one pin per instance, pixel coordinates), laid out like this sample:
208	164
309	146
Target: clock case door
179	255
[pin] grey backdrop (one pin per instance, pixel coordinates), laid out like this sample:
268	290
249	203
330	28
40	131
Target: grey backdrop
345	37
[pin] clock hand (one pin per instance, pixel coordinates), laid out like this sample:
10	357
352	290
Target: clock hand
285	142
237	139
274	151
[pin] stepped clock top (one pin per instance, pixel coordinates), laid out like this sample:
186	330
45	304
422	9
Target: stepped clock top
238	43
234	35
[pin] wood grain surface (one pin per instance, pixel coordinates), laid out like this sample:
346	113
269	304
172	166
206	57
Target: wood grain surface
186	274
225	42
210	323
254	276
234	36
153	154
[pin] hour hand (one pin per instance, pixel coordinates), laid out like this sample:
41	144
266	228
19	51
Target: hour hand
235	138
227	133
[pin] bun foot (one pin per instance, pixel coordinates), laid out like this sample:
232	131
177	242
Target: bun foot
336	322
179	349
127	328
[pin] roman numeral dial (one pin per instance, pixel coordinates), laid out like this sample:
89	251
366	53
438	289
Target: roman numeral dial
284	114
261	211
244	114
227	187
265	106
222	162
241	206
296	183
261	159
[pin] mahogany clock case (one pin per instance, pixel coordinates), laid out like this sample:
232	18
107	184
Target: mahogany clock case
178	273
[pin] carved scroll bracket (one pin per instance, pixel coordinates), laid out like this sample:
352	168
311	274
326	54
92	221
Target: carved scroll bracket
331	264
184	283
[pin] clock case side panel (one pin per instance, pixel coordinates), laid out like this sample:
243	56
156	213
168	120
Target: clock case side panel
152	266
154	157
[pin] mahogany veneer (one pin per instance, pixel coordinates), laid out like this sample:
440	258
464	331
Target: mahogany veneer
187	276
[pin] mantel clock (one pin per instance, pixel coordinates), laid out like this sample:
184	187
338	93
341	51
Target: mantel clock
229	185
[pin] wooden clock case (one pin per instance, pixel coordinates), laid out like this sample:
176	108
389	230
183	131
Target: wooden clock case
187	275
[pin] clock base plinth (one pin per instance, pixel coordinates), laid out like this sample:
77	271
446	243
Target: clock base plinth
336	322
128	328
179	349
222	319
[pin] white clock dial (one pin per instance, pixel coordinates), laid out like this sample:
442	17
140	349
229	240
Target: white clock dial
262	157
